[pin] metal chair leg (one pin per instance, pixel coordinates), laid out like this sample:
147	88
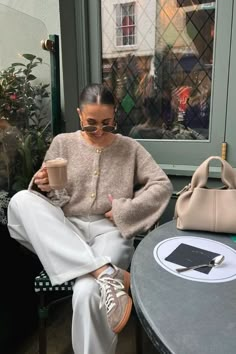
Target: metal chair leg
43	315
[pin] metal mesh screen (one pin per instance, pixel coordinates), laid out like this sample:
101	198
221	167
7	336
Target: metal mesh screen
157	58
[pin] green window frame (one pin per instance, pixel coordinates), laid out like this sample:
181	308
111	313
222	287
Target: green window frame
176	157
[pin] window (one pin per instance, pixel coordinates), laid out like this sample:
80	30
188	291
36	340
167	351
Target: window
125	24
163	85
190	41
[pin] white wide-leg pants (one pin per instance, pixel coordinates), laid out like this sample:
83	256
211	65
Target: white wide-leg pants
71	248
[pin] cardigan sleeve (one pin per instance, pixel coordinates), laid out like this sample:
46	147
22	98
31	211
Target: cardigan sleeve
56	197
140	213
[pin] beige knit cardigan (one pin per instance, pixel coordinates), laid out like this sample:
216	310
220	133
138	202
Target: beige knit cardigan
140	188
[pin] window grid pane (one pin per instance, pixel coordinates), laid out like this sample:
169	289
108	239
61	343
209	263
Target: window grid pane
125	24
163	85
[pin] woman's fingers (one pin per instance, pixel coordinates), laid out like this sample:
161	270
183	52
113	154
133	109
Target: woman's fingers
44	187
110	198
109	215
42	173
41	180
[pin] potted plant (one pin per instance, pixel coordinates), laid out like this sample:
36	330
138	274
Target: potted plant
24	138
24	126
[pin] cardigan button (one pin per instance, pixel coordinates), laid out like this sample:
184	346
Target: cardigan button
92	195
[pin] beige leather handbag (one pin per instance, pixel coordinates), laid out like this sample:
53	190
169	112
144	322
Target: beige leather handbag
203	209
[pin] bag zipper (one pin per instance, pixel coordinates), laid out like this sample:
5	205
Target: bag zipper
186	188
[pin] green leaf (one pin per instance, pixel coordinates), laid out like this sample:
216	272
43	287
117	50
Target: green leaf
33	65
40	60
17	64
30	57
31	77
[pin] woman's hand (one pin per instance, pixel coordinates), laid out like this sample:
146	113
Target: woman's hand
41	180
109	216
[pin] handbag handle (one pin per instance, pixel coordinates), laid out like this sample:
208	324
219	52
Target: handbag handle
200	176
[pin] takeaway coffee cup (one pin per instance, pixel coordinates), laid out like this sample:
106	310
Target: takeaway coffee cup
57	173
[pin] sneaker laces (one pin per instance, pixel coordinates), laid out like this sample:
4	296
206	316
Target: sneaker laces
107	297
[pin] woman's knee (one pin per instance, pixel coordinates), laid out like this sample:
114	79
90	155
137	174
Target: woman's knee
22	198
26	199
15	203
20	203
18	197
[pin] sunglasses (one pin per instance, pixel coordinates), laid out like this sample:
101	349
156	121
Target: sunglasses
94	128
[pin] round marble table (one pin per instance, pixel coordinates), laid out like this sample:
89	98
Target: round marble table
179	315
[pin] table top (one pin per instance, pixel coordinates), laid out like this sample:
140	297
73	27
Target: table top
179	315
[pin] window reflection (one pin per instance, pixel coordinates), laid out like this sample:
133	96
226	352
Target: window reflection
163	83
125	24
25	109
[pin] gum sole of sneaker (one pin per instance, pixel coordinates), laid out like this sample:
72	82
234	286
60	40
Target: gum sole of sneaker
125	319
126	281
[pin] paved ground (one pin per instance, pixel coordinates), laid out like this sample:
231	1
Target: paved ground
59	341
